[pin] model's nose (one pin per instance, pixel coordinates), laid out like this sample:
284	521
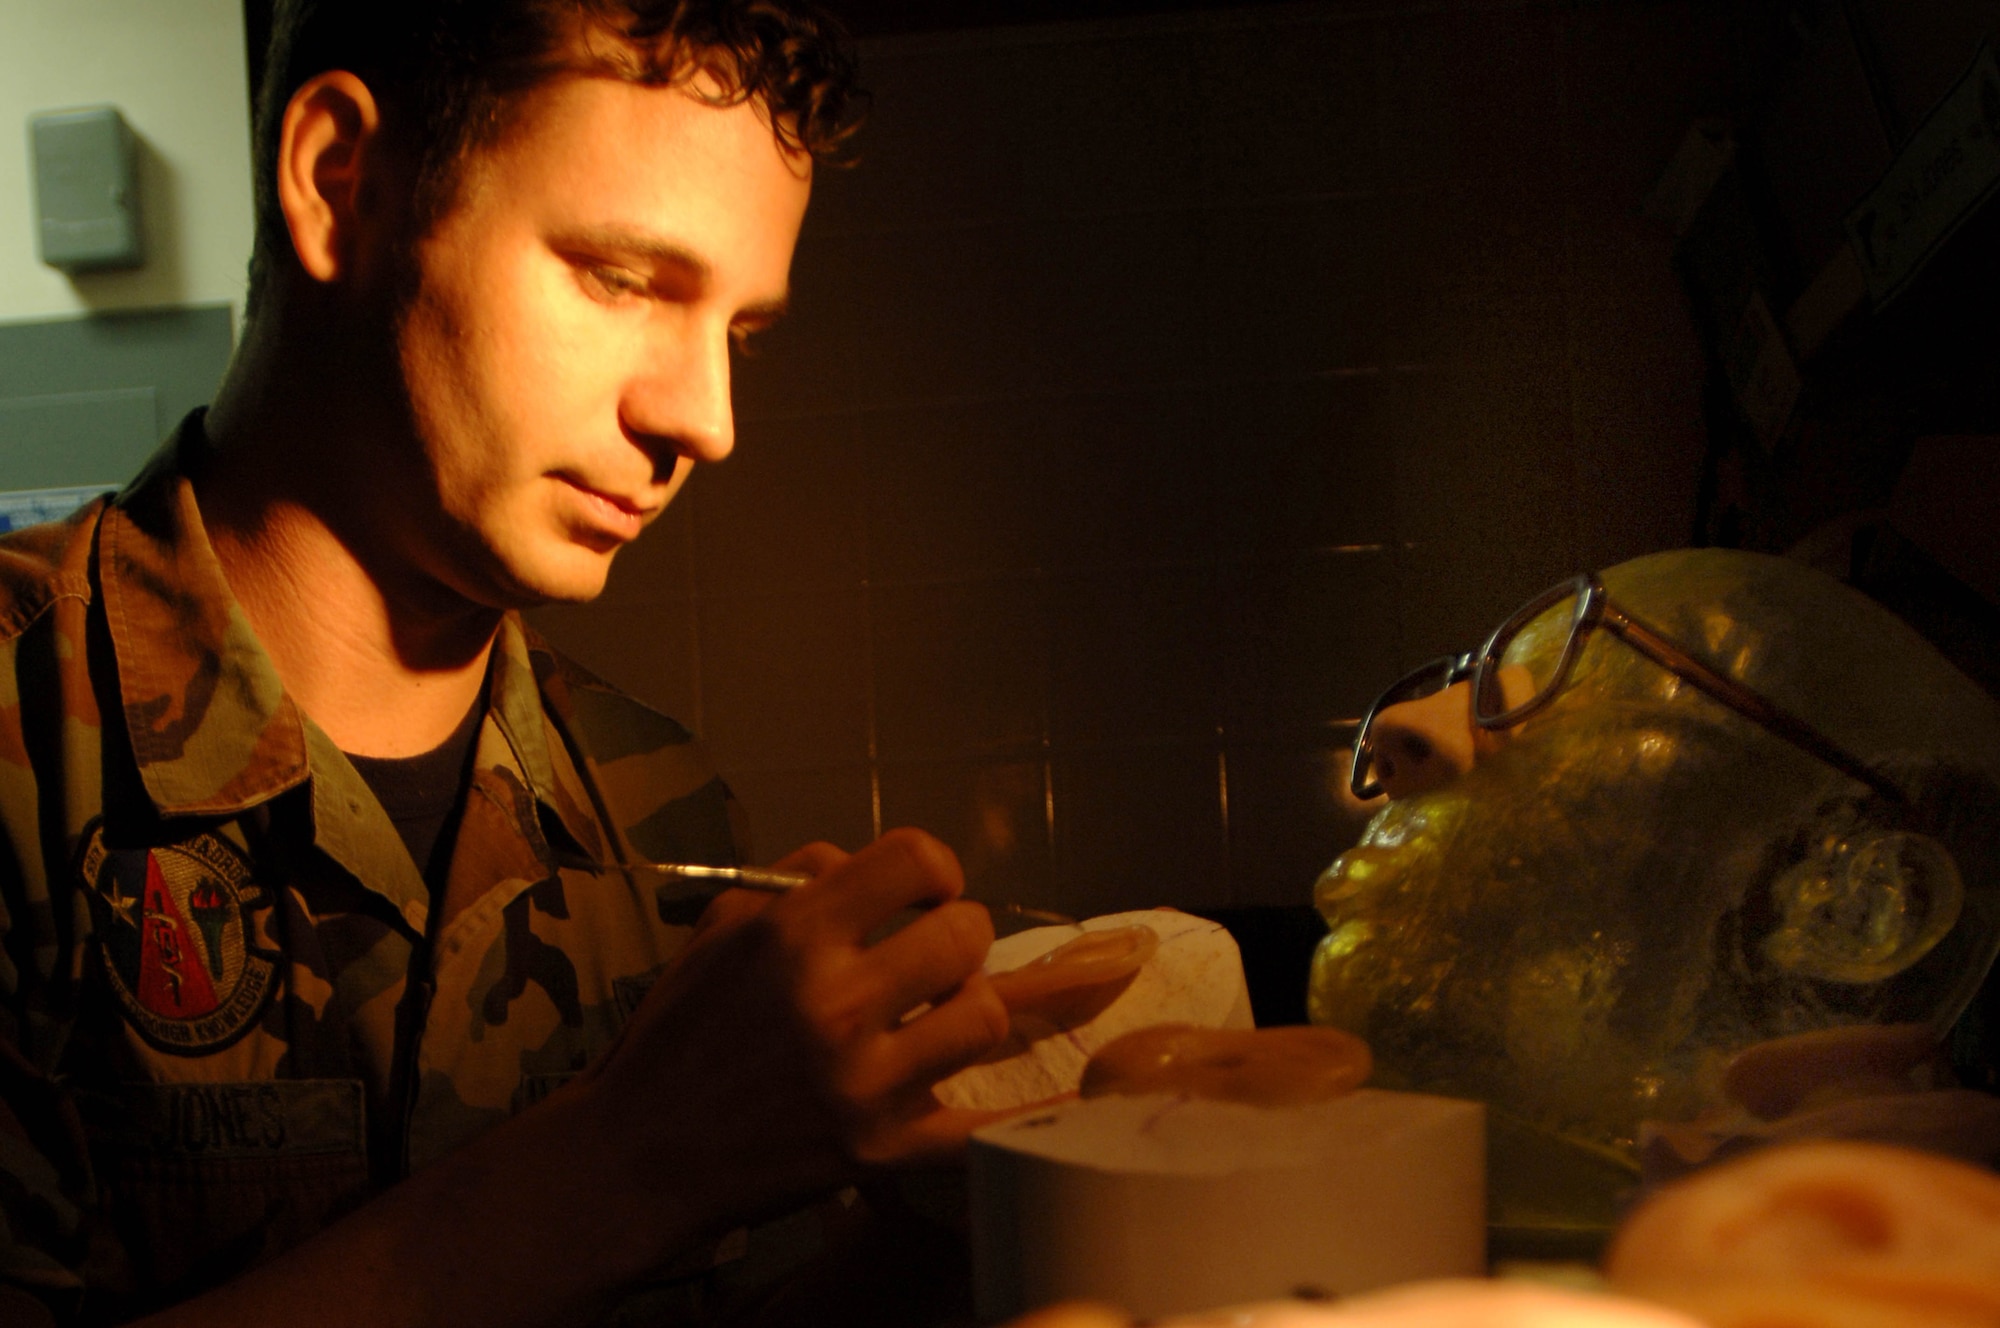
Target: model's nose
1418	745
1421	744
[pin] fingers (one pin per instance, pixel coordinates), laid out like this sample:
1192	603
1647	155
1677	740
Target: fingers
927	959
903	869
730	908
936	1134
854	1060
815	859
947	1037
898	1117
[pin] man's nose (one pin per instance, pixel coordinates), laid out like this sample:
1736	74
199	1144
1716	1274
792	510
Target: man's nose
1418	745
678	404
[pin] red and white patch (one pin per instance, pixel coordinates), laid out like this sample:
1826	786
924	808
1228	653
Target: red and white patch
175	928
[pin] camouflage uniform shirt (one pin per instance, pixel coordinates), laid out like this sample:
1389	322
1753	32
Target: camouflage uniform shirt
225	1014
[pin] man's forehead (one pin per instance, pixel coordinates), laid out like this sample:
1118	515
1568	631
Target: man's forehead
559	124
711	75
536	110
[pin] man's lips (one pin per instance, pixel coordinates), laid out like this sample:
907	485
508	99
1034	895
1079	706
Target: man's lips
612	513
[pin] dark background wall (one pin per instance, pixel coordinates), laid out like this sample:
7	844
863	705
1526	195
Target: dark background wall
1158	388
1167	377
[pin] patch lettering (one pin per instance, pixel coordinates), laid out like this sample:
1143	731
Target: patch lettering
174	925
264	1119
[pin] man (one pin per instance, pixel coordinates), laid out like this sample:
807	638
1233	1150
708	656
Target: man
1711	837
321	875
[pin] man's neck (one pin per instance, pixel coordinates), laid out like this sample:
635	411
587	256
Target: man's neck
386	661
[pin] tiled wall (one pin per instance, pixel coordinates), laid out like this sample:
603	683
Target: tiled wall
1156	391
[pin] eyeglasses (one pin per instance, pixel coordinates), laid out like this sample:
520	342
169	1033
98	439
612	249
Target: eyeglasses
1584	599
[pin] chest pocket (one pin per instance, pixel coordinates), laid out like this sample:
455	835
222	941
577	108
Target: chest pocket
626	993
203	1181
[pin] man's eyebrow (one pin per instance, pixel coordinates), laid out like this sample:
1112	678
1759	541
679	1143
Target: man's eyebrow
613	241
635	244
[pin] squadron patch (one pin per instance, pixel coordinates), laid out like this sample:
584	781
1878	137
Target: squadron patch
174	925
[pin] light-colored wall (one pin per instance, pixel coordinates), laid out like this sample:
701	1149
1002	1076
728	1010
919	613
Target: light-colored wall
176	69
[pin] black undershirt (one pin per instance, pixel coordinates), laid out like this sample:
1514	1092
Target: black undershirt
422	793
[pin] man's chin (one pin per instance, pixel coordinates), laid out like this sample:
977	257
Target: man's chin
575	575
565	590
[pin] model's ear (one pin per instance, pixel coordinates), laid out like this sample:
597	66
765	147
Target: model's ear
1864	905
329	142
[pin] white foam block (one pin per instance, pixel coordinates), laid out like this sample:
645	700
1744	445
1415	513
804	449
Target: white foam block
1167	1205
1195	977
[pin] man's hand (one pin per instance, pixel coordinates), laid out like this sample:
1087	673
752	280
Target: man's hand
780	1055
777	1059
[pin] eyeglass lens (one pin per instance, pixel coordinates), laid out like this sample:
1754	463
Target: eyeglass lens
1542	638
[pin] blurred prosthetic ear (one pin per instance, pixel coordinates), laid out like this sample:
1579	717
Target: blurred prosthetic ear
1820	1233
1865	904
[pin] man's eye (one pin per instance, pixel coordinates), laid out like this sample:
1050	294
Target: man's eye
613	282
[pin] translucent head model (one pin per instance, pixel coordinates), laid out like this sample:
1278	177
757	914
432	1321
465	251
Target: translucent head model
1580	918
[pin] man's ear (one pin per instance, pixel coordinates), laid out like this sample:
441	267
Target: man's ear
329	143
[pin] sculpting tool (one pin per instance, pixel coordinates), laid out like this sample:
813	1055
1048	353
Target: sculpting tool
780	882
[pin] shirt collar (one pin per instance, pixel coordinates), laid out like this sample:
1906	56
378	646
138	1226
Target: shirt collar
521	710
213	731
516	739
211	727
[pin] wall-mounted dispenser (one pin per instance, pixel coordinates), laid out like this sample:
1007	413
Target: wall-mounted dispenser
86	189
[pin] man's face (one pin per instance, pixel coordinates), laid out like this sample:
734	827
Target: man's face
566	338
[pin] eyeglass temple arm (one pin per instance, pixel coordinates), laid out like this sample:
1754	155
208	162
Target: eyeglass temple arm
1742	700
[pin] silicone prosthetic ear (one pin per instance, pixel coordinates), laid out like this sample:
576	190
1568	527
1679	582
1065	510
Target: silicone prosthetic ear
1863	906
1820	1233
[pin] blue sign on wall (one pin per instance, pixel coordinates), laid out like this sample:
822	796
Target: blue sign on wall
31	507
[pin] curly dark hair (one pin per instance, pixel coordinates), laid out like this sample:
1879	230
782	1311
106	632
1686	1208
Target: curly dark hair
452	73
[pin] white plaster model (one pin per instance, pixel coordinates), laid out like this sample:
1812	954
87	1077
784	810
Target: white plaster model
1194	977
1166	1204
